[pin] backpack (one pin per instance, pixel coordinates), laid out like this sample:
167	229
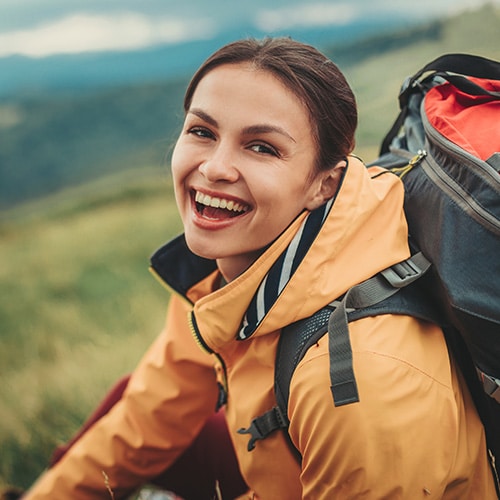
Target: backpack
445	146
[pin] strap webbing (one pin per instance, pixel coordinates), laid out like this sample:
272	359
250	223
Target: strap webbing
298	337
366	294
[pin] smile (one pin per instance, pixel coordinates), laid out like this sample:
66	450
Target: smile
218	208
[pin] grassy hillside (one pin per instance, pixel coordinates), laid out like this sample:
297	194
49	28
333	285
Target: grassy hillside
77	305
77	310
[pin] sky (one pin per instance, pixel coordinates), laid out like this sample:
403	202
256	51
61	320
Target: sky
39	28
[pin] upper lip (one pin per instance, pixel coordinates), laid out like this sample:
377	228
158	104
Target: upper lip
219	200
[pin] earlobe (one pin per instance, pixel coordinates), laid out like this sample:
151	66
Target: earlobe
328	184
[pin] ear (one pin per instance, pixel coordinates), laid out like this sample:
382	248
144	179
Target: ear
325	185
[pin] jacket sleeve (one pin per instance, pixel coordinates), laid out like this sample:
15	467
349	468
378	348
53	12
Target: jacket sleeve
168	399
401	439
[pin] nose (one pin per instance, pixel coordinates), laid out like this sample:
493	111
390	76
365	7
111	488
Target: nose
220	166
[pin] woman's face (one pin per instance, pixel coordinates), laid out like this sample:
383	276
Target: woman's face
242	165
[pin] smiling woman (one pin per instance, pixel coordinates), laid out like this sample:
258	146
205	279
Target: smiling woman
279	221
256	152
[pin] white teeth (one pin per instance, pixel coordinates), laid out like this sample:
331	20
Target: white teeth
208	201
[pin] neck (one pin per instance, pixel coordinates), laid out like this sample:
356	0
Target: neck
232	267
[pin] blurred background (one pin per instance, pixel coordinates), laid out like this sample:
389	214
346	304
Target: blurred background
90	105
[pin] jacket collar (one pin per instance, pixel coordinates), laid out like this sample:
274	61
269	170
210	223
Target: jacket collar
179	268
364	233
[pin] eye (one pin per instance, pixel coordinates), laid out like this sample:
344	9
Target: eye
264	149
201	132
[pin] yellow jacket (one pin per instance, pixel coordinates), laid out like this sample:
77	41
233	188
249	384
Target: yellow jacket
414	434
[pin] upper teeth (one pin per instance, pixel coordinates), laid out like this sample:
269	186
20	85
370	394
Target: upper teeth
210	201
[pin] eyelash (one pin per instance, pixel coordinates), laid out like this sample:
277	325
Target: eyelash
267	149
200	132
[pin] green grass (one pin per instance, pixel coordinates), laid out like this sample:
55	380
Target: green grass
78	307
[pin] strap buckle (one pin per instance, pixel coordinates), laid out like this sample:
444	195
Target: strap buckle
407	271
261	427
491	386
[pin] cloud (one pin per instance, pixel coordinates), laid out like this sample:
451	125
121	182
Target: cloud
315	14
91	32
135	26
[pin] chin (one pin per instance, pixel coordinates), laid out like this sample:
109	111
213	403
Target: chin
201	249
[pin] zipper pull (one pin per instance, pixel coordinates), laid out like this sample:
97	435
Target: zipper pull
413	162
222	398
421	154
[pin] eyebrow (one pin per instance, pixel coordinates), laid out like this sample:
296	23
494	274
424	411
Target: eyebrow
204	116
263	128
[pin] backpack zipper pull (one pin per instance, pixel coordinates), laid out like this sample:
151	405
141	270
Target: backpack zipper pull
421	154
413	162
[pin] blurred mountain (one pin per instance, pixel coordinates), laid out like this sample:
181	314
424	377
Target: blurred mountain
82	118
76	72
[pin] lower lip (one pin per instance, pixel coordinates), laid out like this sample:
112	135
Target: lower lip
213	224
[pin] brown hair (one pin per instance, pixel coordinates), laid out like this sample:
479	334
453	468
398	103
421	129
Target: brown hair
311	76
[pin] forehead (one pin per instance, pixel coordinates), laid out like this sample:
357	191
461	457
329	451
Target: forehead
246	80
243	88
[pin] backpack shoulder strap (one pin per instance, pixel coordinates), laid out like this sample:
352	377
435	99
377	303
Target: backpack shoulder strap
295	340
377	295
361	299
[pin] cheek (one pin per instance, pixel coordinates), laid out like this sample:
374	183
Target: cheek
280	204
178	169
176	160
181	166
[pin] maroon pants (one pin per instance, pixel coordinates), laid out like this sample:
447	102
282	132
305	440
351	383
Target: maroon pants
210	459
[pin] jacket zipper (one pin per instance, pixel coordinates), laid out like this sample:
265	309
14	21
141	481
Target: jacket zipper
196	334
223	389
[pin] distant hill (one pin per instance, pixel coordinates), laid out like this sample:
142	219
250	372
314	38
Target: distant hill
59	142
92	71
49	141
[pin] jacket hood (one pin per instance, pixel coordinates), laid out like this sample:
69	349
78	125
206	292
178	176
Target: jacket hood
365	232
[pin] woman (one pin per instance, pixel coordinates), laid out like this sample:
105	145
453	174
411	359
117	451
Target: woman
279	220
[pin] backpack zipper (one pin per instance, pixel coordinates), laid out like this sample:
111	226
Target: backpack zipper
460	196
487	173
449	186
